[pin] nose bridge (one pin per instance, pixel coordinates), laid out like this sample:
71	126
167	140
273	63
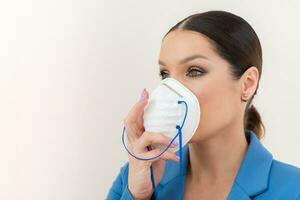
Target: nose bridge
177	74
182	81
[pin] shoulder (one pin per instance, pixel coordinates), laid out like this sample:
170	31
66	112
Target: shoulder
285	171
124	171
122	175
119	189
285	176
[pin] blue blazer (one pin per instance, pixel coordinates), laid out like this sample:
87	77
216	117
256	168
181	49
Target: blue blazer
260	177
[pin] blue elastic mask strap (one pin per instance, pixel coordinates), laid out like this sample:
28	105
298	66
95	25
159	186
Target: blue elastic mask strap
181	169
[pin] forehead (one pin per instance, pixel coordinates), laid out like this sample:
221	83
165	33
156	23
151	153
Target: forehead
181	43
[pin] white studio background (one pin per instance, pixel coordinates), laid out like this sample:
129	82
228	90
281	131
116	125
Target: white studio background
70	70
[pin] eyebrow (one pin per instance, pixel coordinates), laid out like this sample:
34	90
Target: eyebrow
186	59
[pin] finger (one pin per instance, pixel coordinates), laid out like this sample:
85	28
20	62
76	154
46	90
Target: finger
167	155
134	120
140	115
170	156
149	138
146	93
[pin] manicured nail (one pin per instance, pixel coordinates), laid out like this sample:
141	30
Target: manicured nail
142	95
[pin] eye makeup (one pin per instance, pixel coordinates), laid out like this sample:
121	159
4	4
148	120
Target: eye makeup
192	72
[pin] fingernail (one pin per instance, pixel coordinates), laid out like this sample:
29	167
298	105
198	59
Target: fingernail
178	158
142	95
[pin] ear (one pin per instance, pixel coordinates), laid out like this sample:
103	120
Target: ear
249	82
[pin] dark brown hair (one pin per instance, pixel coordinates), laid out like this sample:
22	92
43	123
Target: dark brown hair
235	41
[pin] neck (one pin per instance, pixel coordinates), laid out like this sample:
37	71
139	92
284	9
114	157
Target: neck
218	158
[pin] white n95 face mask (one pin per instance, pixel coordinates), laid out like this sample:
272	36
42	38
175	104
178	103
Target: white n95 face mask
171	105
172	110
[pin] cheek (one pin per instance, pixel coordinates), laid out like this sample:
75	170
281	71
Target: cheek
218	103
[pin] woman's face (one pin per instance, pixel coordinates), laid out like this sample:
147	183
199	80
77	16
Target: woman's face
207	76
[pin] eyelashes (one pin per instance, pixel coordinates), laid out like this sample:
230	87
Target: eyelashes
192	72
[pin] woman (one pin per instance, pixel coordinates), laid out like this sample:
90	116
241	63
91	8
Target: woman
218	56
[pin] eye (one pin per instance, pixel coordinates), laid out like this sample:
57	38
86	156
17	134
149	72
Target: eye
191	72
195	71
162	74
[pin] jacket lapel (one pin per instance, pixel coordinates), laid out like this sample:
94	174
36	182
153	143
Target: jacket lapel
237	193
170	186
251	180
253	174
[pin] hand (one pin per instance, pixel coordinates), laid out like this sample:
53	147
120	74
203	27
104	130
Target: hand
139	175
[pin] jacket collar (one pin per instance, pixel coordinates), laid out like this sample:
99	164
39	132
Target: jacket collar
253	174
